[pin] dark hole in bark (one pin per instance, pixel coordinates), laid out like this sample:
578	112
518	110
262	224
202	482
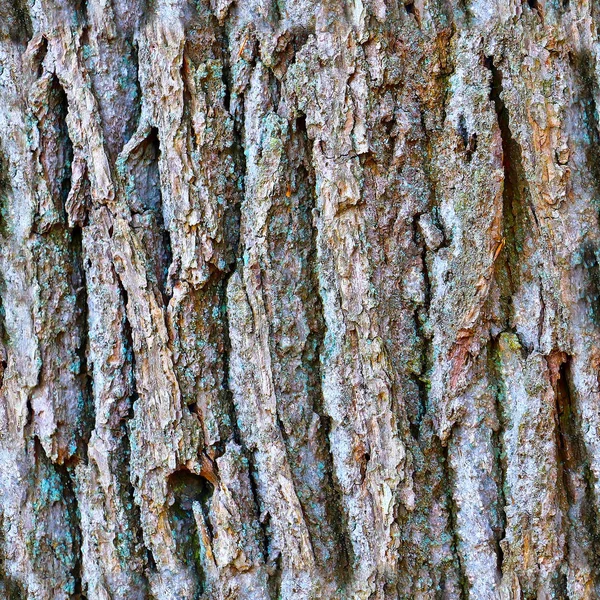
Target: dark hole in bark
469	140
564	412
411	9
81	300
40	56
275	572
150	560
149	206
226	86
472	146
415	430
462	130
389	126
499	555
188	489
301	124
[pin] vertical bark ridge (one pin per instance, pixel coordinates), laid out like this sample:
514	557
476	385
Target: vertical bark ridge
113	558
311	362
262	214
538	557
57	254
453	510
22	369
430	560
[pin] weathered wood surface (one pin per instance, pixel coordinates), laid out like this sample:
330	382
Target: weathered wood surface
300	299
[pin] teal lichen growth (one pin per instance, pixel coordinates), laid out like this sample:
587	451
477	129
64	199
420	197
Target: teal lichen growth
54	504
86	51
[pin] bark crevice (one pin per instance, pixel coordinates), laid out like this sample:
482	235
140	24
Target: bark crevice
134	508
499	391
452	522
516	204
575	474
189	490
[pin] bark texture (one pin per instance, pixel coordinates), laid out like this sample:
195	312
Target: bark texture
299	299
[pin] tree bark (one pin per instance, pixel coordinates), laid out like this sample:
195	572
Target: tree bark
300	299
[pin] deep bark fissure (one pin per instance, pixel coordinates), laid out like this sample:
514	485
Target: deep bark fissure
227	391
452	521
118	99
253	477
334	508
163	258
469	139
4	341
134	507
564	425
63	291
88	417
60	477
234	223
56	156
39	56
499	390
591	276
236	242
421	317
299	206
275	571
572	454
515	201
422	320
134	119
67	475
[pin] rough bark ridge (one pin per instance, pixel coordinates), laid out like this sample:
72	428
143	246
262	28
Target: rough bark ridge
299	299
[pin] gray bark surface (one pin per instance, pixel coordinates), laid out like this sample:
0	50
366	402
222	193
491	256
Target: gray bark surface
299	300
